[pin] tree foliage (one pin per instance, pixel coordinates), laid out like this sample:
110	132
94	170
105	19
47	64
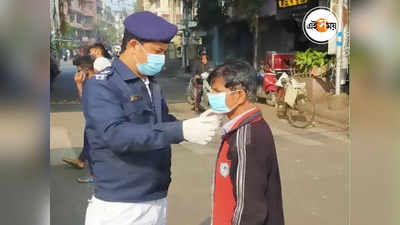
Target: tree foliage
310	58
107	32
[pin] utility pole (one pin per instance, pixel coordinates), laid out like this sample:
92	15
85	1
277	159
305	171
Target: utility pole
185	32
339	44
256	37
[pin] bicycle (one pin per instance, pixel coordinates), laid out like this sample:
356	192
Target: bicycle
294	103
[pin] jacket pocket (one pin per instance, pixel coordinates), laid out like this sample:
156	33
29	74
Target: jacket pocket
138	111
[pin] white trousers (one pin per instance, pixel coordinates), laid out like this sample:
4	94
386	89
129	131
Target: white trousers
101	212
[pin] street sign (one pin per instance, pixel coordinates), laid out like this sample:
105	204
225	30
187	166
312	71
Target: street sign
192	23
186	33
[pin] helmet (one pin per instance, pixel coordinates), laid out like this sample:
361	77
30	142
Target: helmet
202	51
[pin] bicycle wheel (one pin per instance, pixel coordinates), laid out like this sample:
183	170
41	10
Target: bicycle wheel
303	113
190	93
204	101
271	99
331	81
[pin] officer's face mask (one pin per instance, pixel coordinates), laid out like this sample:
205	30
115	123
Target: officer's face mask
218	102
153	65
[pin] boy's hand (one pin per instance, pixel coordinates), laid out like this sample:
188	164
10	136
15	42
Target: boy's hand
79	77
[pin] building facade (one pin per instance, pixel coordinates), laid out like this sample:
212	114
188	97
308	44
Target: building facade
81	15
171	10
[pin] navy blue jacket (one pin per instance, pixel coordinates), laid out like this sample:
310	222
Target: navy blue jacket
130	136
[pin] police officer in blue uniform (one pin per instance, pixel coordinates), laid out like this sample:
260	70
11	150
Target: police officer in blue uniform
130	129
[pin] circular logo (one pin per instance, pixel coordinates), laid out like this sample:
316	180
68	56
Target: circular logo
320	25
224	169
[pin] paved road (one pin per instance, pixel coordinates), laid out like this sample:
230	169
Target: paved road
313	163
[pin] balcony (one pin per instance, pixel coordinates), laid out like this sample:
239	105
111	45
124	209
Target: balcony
75	25
74	6
89	12
75	9
88	26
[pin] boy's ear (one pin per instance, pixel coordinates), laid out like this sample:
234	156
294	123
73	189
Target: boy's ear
242	96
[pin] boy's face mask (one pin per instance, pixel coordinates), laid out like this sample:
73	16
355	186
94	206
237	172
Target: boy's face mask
218	102
153	65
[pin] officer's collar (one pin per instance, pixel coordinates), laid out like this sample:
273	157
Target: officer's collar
123	70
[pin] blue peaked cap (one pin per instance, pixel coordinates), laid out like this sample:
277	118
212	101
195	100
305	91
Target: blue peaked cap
148	26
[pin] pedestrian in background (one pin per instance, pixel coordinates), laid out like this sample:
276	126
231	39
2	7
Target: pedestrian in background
130	130
85	71
54	71
202	67
101	57
246	185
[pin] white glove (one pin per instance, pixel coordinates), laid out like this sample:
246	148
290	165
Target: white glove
200	130
206	86
204	75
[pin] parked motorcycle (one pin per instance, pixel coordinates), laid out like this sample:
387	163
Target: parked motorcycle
293	102
270	70
198	87
267	89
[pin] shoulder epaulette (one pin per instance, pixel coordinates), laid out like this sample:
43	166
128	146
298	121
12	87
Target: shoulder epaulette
102	75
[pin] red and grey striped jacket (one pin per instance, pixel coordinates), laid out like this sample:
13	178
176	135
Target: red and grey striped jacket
247	186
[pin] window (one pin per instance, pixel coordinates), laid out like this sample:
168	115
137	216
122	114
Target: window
71	17
87	6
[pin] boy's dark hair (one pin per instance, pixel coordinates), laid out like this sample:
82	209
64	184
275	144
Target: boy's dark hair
103	50
237	75
86	62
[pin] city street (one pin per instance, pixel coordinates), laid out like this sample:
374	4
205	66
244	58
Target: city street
65	90
314	162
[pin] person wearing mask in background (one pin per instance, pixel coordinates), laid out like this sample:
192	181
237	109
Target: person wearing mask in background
100	56
85	69
246	185
201	69
130	130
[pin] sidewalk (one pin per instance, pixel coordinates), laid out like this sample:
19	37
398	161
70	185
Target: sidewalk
338	118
